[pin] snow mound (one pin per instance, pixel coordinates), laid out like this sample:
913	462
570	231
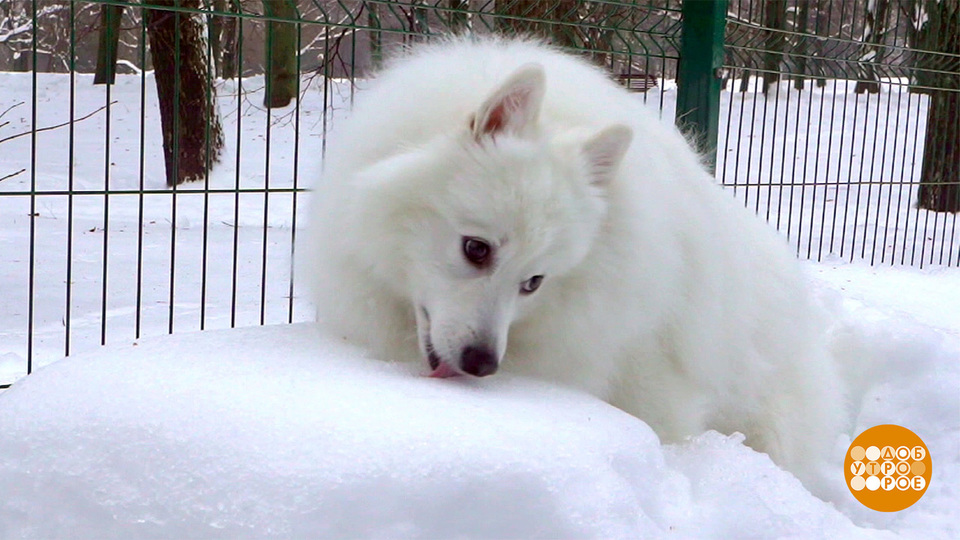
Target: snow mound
278	431
270	431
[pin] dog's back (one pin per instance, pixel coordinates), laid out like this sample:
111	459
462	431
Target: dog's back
434	87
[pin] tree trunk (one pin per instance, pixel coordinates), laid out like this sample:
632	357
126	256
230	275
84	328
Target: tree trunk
940	175
824	19
225	39
916	40
513	15
106	72
418	22
873	31
21	61
192	134
281	54
599	32
774	19
803	16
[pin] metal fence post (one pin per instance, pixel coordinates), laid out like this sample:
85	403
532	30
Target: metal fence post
698	80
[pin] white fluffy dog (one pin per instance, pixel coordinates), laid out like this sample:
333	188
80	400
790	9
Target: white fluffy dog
497	204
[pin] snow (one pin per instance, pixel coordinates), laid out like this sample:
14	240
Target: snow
276	431
930	296
280	431
295	437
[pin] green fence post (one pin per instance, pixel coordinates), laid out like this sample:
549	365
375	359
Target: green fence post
698	80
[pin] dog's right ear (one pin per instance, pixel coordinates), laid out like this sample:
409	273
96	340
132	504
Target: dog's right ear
514	106
604	152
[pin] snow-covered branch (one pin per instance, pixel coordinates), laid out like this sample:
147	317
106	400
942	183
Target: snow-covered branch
13	25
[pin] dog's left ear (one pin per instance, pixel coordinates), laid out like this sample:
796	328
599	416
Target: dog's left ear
514	106
604	152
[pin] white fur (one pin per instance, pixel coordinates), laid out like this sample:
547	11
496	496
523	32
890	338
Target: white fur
661	296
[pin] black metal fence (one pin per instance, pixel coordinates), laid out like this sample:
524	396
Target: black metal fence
96	248
841	125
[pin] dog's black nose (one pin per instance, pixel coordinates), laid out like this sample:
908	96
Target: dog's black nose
478	361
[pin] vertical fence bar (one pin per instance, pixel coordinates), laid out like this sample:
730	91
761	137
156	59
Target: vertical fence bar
698	85
296	175
177	67
234	269
31	283
70	180
141	170
107	141
205	239
271	61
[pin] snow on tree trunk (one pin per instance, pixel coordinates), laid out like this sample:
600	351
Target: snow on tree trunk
940	73
225	39
192	134
873	31
281	54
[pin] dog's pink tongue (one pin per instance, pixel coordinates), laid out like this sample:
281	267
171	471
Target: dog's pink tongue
443	371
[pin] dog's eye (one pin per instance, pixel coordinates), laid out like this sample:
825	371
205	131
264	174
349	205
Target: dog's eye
476	251
531	285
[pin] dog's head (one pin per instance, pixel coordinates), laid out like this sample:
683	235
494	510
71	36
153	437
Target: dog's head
474	226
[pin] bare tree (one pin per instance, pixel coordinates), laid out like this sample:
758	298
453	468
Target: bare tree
802	23
874	28
192	134
281	53
821	27
774	19
523	17
52	46
416	21
16	32
224	34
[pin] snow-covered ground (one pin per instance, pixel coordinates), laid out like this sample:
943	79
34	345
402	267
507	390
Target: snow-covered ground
255	432
274	431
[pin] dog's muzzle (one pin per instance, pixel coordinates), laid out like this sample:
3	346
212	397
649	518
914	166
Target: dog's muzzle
476	360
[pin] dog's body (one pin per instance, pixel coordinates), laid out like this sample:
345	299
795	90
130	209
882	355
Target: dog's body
471	169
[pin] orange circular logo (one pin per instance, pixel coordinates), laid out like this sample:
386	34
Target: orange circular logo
888	468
